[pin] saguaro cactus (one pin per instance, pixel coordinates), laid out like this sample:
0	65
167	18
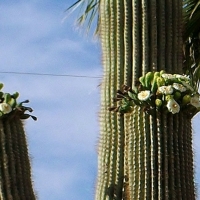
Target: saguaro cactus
141	155
15	169
15	178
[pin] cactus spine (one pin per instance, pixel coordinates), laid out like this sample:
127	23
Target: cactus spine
142	156
15	170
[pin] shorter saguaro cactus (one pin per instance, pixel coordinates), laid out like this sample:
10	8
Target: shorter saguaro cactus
15	169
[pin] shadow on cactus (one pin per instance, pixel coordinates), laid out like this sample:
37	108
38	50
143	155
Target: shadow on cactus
9	107
159	90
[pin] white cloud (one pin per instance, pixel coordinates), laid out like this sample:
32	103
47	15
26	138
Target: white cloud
34	38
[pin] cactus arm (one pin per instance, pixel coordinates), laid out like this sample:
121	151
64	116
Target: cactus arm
171	158
189	160
119	16
177	156
131	161
127	176
111	185
188	166
11	152
127	42
145	38
165	156
113	82
120	52
179	28
175	35
182	159
137	157
147	157
18	162
153	148
169	36
103	157
153	35
136	49
160	150
141	171
5	166
161	39
24	160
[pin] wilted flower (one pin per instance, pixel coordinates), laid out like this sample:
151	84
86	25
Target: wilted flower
5	108
195	101
168	76
173	106
144	95
179	87
189	87
166	89
182	77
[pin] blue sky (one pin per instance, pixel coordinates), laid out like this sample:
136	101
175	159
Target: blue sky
62	143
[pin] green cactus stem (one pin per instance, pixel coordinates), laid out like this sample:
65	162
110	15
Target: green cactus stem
15	169
142	156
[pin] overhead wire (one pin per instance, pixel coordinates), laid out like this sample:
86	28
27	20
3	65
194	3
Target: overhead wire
48	74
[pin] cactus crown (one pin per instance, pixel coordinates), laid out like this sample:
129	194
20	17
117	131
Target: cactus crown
9	106
156	90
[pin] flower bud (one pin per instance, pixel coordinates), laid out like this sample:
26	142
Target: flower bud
177	95
1	86
148	79
168	97
158	102
186	99
160	81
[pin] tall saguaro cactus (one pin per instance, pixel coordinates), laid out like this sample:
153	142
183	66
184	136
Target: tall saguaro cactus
142	156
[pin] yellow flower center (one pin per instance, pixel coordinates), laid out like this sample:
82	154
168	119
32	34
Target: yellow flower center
175	105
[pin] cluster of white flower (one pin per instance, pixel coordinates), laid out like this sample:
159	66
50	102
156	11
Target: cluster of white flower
171	90
162	90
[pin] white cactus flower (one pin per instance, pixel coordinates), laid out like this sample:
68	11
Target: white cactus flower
173	106
144	95
5	108
195	101
165	89
179	87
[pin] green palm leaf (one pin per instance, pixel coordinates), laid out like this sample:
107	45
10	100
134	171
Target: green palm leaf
88	13
191	14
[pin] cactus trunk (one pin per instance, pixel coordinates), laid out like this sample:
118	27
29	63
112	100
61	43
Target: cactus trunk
142	156
15	170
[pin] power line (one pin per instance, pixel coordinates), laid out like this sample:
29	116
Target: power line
46	74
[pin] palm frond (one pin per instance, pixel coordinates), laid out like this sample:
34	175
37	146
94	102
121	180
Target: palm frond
88	13
191	14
